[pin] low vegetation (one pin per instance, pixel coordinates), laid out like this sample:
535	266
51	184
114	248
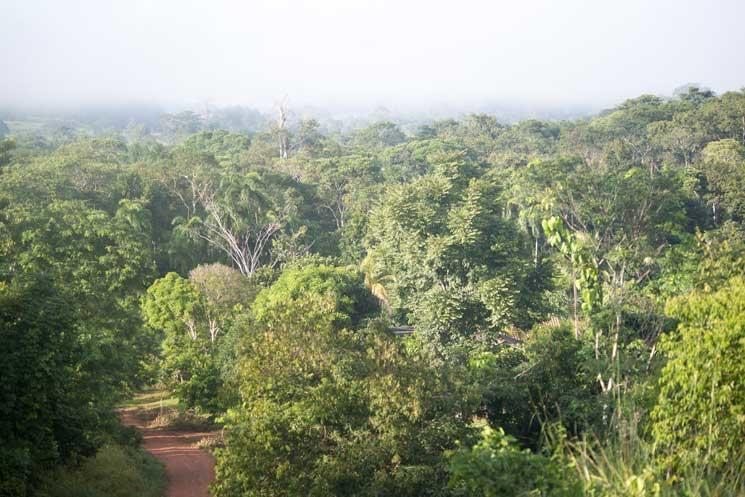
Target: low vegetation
115	471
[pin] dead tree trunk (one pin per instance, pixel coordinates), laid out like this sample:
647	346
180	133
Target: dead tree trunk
282	129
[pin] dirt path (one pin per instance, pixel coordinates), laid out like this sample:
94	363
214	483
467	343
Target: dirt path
190	470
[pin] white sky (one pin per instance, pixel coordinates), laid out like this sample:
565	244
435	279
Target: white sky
346	51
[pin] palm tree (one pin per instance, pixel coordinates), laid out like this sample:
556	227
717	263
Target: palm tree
376	281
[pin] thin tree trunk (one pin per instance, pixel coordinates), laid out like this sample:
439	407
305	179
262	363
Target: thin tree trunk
574	291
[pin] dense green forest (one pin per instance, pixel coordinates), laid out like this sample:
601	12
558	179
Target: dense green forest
575	292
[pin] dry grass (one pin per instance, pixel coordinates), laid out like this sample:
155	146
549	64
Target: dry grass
181	420
211	442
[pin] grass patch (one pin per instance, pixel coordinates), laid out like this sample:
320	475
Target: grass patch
182	420
151	400
115	471
161	409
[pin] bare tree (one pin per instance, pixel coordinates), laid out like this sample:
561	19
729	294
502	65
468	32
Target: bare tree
246	244
337	203
282	128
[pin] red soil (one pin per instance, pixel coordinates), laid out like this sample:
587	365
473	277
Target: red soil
190	470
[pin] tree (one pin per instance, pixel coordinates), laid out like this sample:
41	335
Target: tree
723	165
461	269
343	183
280	129
379	135
225	291
175	307
40	420
194	316
241	223
326	411
100	263
226	149
309	137
6	152
545	379
699	414
343	287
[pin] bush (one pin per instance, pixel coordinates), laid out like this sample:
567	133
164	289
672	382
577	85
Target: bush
115	471
497	466
626	465
544	378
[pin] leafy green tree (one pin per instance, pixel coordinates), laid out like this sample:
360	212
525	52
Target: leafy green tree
548	378
379	135
461	269
6	151
91	170
347	187
194	316
680	139
342	184
415	158
326	411
175	306
344	287
723	116
101	263
40	420
723	166
700	410
227	149
309	137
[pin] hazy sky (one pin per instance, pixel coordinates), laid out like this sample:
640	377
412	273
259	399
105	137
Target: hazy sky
346	51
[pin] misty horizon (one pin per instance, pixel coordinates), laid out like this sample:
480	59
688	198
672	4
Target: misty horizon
350	56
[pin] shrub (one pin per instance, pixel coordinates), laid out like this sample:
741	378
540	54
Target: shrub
496	466
115	471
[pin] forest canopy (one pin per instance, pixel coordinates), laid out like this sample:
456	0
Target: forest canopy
448	308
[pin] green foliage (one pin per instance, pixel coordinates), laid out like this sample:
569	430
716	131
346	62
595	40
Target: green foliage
723	166
40	423
472	230
6	151
700	416
548	378
344	287
460	268
584	266
627	465
194	315
227	149
115	471
379	135
496	466
330	412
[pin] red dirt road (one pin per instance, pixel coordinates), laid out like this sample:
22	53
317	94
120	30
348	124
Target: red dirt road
190	470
